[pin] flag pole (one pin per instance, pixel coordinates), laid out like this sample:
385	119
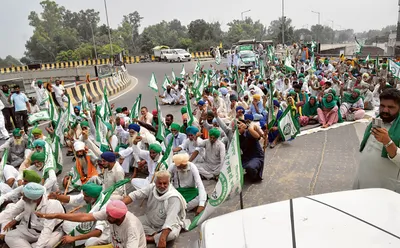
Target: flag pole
241	200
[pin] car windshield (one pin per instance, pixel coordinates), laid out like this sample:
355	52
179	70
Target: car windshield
181	51
246	55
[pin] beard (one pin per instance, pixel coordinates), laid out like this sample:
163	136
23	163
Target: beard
387	118
30	207
82	161
18	142
161	192
131	139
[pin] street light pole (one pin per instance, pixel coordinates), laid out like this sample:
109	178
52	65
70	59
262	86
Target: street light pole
108	24
244	12
319	20
94	43
283	22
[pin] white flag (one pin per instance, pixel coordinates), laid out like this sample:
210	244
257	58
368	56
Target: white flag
217	56
39	116
288	127
230	181
3	163
394	68
288	64
183	72
165	83
173	75
153	82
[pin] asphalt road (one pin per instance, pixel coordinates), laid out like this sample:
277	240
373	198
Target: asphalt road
311	164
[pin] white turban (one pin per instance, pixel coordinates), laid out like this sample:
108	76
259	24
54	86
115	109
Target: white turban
79	146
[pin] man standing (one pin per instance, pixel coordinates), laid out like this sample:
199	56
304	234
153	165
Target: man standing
58	90
215	154
8	110
126	229
22	108
41	94
3	131
165	215
380	159
186	180
32	231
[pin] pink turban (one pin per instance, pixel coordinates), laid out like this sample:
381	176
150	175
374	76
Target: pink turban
180	159
116	209
185	116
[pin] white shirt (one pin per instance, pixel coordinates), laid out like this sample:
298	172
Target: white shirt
58	90
187	179
112	176
151	164
10	172
129	234
191	146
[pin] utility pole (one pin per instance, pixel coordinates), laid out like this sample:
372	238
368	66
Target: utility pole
283	22
109	31
319	22
94	42
244	12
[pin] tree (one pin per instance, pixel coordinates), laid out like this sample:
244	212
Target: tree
275	30
129	32
323	34
198	30
302	34
243	30
105	50
9	61
65	56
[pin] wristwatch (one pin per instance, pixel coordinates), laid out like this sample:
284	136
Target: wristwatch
388	144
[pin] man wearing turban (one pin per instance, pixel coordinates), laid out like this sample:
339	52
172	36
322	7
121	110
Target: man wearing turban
215	155
190	147
220	104
186	179
88	135
17	147
48	175
113	173
161	222
87	233
41	94
84	170
31	230
176	137
169	95
125	228
152	158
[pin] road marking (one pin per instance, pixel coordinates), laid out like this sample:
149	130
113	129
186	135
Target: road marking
318	169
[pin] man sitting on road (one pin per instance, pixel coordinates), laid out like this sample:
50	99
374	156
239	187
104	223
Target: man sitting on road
17	147
215	154
126	229
165	213
145	116
49	177
85	169
186	179
88	233
31	230
113	173
125	151
189	145
177	136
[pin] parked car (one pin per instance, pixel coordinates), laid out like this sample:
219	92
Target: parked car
247	59
364	218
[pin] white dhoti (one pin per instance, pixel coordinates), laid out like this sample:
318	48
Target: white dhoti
193	204
149	230
6	217
208	170
22	237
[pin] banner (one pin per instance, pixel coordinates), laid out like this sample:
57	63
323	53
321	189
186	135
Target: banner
38	116
135	108
288	127
230	181
3	162
394	68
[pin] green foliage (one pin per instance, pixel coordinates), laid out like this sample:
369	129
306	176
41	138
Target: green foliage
106	51
275	31
9	61
69	55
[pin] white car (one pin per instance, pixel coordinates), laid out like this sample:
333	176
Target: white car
178	55
366	218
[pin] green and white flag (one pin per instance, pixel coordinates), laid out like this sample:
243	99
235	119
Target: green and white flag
239	84
313	46
230	181
57	153
199	90
153	83
165	83
288	127
85	103
288	64
30	137
394	68
189	109
262	68
217	56
166	159
86	227
270	52
313	67
183	72
135	108
62	124
3	163
367	59
197	68
39	116
72	116
101	133
358	46
49	161
173	75
160	136
271	116
53	110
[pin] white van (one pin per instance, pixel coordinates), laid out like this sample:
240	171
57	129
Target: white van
350	219
178	55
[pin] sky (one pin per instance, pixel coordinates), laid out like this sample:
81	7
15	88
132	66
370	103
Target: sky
360	15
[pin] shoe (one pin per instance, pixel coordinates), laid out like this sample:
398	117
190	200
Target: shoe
70	154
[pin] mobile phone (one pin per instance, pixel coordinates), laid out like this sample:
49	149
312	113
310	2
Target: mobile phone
377	122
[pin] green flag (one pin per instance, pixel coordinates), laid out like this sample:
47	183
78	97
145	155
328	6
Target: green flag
42	115
173	75
166	82
135	108
183	72
189	109
367	59
271	116
57	153
197	68
166	159
394	68
160	136
153	83
288	64
105	108
230	181
62	123
288	126
53	110
358	46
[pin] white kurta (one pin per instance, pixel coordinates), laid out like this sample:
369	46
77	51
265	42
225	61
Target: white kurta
189	147
139	183
214	159
375	171
111	177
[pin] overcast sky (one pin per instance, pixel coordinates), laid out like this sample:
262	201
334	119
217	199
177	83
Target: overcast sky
360	15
